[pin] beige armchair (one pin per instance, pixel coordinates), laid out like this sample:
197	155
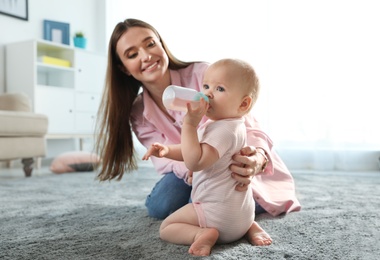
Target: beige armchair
22	132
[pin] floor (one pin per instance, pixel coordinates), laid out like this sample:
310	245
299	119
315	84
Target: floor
16	171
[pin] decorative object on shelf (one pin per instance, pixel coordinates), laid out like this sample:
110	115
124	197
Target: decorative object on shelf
54	61
15	8
57	32
79	40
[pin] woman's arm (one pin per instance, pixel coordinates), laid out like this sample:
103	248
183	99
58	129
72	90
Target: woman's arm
251	161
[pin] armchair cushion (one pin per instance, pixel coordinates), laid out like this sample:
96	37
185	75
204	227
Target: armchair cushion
22	132
21	124
15	102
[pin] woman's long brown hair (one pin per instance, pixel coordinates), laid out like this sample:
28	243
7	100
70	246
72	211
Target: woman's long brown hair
114	139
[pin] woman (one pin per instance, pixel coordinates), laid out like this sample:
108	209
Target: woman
138	58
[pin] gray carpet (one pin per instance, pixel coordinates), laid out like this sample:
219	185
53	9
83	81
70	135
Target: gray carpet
72	216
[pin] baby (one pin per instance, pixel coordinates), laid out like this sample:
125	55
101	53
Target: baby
218	213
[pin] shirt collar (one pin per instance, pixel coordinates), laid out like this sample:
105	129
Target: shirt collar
151	110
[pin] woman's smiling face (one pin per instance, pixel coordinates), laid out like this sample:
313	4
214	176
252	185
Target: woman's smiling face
142	55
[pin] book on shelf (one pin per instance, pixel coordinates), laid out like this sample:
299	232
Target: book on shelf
54	61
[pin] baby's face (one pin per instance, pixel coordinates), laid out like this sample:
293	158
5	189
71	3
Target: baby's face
224	92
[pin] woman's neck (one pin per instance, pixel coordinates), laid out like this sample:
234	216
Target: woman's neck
156	90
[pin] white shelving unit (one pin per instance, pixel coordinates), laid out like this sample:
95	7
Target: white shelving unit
68	95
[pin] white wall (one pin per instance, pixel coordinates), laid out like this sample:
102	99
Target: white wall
318	63
84	15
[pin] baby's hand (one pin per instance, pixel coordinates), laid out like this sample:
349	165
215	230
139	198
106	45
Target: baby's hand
189	178
194	115
157	150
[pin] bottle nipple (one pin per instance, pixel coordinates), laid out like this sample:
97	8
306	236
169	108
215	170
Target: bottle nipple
201	95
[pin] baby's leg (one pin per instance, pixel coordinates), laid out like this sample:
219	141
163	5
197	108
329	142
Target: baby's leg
182	227
204	241
257	236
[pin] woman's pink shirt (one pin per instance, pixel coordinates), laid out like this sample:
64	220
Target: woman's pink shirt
274	189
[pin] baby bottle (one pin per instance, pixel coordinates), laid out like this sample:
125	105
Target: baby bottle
176	98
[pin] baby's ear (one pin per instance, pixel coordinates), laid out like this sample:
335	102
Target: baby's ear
245	104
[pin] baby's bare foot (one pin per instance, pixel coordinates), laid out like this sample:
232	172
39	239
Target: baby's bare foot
257	236
204	241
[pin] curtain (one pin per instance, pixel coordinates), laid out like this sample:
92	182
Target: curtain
323	81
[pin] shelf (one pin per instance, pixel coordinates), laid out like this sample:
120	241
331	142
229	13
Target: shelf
49	45
55	76
49	67
63	83
55	51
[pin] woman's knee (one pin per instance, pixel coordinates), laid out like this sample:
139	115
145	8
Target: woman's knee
158	213
169	194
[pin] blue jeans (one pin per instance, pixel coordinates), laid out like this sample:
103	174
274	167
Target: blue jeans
169	194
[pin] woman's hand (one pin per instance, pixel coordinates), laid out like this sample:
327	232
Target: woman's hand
250	162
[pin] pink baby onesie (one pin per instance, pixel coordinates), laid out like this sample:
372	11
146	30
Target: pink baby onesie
213	195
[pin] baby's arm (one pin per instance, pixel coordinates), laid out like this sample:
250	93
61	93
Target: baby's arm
196	156
199	157
168	151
